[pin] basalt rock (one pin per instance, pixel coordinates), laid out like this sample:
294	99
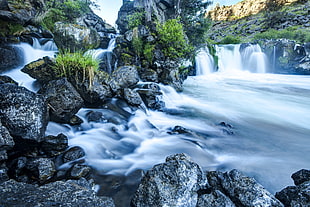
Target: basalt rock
69	193
7	79
63	100
41	70
6	141
23	112
54	145
151	95
40	169
123	77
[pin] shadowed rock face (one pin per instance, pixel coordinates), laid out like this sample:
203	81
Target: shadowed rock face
23	112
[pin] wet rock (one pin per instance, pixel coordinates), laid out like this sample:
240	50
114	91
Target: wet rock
298	195
23	112
3	174
7	79
75	37
75	120
9	57
54	145
214	199
124	77
63	100
41	70
148	75
17	168
132	97
173	183
73	154
6	141
41	169
59	193
301	176
151	95
95	116
245	191
79	170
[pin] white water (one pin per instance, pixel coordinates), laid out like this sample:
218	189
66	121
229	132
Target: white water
30	53
204	62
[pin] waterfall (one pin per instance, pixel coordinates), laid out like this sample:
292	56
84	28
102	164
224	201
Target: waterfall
105	56
232	58
31	53
204	62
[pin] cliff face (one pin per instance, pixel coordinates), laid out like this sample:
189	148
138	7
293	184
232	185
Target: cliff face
242	9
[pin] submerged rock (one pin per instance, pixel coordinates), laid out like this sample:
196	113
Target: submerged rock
23	112
69	193
63	100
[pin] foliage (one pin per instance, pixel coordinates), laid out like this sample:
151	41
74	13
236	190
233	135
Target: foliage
292	33
148	52
67	11
172	39
137	45
10	28
230	40
135	19
76	65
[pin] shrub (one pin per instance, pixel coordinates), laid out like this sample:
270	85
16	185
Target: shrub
172	39
230	40
76	66
135	19
148	52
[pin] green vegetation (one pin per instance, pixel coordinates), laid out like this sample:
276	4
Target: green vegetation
230	40
292	33
135	19
148	52
172	39
77	66
10	28
67	11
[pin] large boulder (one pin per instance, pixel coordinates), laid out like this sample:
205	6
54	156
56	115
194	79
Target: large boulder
173	183
75	37
69	193
297	195
41	70
23	112
9	57
63	100
124	77
6	141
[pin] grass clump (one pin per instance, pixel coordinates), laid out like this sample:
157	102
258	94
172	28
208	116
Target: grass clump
76	67
230	40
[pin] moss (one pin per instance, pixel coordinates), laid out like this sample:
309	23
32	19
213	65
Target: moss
10	28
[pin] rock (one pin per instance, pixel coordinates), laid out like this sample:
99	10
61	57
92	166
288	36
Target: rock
6	141
148	75
63	100
173	183
59	193
3	174
124	77
132	97
17	169
297	195
73	154
75	37
95	116
9	57
151	95
79	170
301	176
7	79
294	196
41	69
40	169
54	145
245	191
214	199
23	112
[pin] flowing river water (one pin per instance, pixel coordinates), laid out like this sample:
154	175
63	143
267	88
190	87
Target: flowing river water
240	117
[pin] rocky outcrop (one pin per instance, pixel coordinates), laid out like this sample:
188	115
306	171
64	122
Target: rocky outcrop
241	9
75	37
297	195
9	57
63	100
69	193
181	182
123	77
286	56
23	112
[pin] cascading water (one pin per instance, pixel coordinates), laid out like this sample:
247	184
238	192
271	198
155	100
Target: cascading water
31	53
204	62
105	55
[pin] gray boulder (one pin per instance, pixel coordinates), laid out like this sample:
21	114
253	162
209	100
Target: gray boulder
54	145
41	169
214	199
75	37
124	77
63	100
245	191
23	112
151	95
132	97
41	70
6	141
69	193
297	196
9	57
173	183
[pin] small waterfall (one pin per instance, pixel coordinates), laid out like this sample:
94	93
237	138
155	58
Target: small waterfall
45	44
236	58
105	56
204	62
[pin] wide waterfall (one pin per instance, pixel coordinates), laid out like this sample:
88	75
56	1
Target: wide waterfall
204	62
